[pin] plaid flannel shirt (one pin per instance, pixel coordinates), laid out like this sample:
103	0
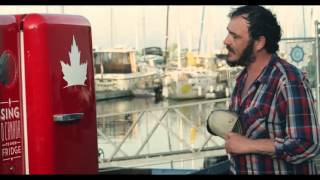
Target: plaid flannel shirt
279	105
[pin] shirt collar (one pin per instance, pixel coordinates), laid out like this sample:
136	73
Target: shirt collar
266	72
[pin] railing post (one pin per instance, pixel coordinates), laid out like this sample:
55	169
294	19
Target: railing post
317	32
125	137
151	133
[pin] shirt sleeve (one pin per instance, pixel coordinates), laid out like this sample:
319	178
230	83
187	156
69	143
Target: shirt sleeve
298	138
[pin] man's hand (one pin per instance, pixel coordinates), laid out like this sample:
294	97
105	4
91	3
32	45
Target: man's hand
237	144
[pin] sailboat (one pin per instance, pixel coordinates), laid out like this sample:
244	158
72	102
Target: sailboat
195	79
199	79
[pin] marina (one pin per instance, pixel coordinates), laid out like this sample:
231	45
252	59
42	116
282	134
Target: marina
127	89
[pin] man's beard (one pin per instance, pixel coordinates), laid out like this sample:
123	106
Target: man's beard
246	58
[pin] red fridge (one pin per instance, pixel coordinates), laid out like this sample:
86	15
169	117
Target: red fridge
47	99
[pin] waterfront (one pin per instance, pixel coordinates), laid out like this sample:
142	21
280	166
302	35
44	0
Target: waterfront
140	126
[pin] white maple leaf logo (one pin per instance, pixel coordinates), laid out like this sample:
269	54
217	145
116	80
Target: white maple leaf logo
75	73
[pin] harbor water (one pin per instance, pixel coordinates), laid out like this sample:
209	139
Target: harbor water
143	127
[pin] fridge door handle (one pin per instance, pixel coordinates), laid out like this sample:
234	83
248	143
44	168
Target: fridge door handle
67	117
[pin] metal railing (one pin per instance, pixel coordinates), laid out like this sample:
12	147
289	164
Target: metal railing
123	150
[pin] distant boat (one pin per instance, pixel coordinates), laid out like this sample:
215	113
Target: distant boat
117	74
203	77
188	83
154	56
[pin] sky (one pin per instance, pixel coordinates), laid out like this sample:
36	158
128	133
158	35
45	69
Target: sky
145	26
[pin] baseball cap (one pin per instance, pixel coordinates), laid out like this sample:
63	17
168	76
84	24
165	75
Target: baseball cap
221	121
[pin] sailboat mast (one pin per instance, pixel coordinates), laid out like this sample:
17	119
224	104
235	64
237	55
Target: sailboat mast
144	32
304	23
166	45
137	32
189	40
178	40
111	29
201	30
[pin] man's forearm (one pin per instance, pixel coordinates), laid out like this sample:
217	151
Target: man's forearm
238	144
262	146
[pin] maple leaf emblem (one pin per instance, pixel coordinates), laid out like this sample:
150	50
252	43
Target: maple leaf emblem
75	73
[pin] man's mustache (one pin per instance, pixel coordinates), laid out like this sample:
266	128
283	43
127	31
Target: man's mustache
230	49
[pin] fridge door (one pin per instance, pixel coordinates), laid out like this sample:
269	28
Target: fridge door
60	95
